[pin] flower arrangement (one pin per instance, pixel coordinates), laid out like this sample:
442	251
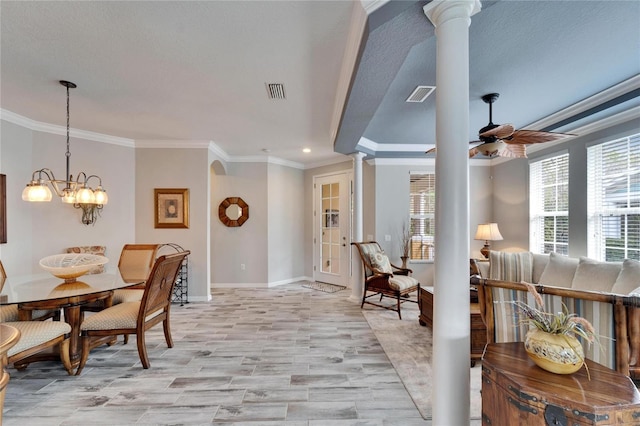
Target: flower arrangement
405	241
558	323
552	344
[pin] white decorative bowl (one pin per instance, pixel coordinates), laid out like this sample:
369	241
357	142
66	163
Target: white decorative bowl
71	265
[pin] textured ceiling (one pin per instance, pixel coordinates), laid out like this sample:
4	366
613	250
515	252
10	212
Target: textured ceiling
196	70
541	56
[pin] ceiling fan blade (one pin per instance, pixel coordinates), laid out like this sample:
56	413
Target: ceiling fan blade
513	151
527	137
499	132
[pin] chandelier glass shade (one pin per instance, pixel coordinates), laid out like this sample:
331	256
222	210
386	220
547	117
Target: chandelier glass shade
78	191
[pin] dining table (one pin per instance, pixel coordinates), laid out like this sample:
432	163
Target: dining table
46	292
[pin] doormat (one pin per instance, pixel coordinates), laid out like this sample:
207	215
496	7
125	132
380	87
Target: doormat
326	287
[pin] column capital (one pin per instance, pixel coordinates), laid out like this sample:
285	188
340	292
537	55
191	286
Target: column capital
357	156
441	11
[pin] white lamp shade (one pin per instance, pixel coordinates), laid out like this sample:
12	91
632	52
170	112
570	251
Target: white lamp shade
488	232
85	196
101	196
36	192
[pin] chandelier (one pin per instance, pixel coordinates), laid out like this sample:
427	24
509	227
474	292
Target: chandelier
77	192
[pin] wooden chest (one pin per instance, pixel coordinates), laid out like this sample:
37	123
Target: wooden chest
517	392
478	329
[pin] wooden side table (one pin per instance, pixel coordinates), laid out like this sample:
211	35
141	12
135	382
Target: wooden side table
515	391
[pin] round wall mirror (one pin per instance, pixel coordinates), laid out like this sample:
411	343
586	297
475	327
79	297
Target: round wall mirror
233	211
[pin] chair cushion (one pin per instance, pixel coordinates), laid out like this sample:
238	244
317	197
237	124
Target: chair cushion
123	296
515	267
402	282
123	315
99	250
380	261
34	333
629	277
8	313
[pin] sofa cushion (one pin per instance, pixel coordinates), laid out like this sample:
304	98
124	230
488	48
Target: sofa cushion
559	271
593	275
540	262
629	277
380	261
507	266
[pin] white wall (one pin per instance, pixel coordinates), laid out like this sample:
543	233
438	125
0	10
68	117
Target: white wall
285	207
36	230
176	168
245	245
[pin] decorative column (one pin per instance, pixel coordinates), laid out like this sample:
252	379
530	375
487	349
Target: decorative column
357	280
451	327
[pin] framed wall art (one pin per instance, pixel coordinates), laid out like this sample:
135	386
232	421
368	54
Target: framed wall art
171	207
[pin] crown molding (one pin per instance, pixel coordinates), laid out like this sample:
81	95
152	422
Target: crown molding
39	126
171	143
265	159
613	92
371	6
328	162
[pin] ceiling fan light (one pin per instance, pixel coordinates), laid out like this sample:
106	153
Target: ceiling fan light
491	149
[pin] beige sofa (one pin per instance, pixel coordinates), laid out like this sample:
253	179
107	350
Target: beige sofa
605	293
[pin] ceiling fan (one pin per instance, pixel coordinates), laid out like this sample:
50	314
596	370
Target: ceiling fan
502	140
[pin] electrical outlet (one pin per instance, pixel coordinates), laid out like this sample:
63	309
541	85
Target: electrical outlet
242	267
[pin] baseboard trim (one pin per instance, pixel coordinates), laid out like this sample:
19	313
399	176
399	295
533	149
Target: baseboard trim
260	285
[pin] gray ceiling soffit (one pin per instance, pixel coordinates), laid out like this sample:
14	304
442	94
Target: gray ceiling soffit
542	57
385	51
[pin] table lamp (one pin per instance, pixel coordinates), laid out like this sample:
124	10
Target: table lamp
487	232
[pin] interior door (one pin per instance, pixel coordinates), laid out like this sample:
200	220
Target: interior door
332	227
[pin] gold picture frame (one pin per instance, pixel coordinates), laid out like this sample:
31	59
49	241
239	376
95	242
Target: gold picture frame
171	207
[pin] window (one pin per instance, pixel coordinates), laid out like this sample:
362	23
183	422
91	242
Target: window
549	205
614	199
422	208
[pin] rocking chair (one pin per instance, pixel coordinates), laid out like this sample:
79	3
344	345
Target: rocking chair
384	279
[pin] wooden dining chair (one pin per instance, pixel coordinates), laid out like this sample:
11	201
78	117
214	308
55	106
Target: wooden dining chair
135	263
35	338
138	316
9	313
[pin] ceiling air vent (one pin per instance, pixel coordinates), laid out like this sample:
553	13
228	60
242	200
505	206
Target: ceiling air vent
420	93
275	90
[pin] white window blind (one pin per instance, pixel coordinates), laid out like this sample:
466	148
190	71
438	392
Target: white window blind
422	207
549	205
614	199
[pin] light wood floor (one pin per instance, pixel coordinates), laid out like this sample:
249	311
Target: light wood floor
282	356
